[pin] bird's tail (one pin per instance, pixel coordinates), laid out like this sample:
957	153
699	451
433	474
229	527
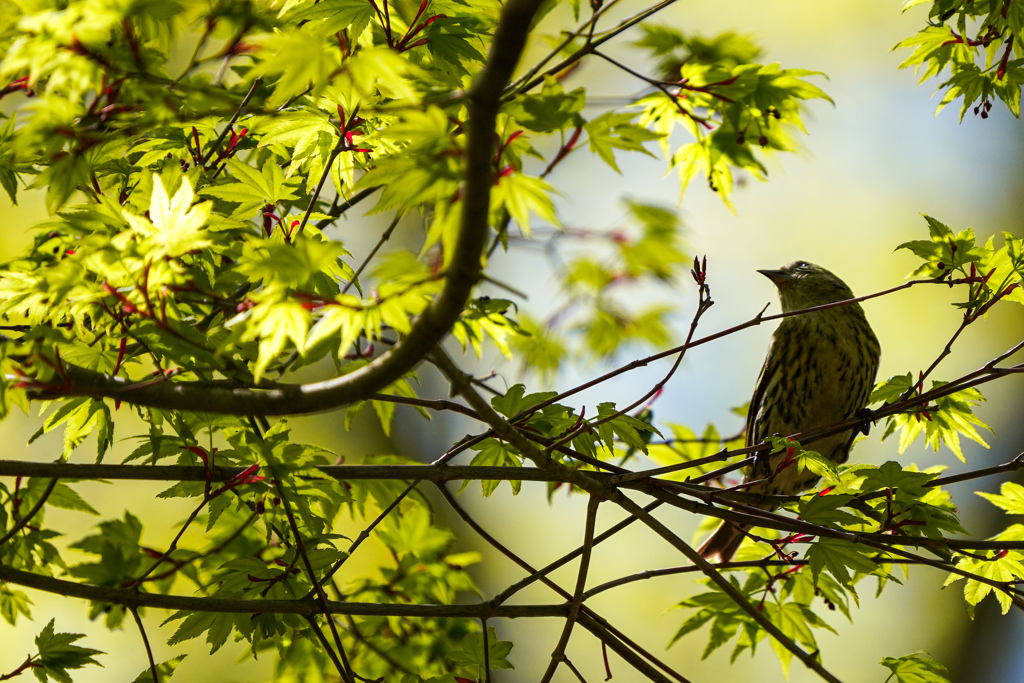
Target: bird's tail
723	542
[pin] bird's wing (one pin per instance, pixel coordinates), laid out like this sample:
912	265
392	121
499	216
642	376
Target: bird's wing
768	372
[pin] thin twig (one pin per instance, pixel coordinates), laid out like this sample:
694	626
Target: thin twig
339	211
212	148
595	487
373	252
625	647
572	668
487	652
752	322
432	404
704	302
343	667
1011	466
174	542
145	642
558	654
588	48
366	531
342	141
353	628
338	665
23	521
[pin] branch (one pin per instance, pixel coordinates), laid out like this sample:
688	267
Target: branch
588	48
753	322
323	179
690	569
558	654
1012	466
463	273
23	521
212	148
596	488
664	491
373	252
343	667
133	599
145	642
704	302
621	644
176	473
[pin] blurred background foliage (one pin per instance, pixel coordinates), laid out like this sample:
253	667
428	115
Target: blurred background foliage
871	164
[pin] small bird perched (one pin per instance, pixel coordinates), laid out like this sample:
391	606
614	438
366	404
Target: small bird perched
819	370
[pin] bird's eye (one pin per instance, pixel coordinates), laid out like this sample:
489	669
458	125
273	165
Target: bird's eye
801	265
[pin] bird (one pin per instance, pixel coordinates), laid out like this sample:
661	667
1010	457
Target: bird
819	370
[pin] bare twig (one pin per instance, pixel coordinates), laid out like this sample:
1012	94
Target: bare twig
338	664
24	520
373	252
595	487
591	45
338	148
367	530
558	654
704	302
212	148
345	669
145	642
610	636
1011	466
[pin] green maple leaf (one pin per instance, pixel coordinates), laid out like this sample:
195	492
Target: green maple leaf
839	557
918	667
57	654
1009	498
174	226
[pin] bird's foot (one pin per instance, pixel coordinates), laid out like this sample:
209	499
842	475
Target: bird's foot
868	417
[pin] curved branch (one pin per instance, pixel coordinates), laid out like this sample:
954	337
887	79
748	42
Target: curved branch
482	101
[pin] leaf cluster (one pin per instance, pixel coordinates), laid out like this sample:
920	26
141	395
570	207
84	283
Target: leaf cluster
980	48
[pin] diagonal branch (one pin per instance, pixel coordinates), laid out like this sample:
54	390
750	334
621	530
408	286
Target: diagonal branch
27	517
610	636
558	655
597	488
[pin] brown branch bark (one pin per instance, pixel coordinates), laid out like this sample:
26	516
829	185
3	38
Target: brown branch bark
558	654
134	599
597	488
665	491
609	636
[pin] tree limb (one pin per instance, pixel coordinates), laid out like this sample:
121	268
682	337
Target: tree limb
461	275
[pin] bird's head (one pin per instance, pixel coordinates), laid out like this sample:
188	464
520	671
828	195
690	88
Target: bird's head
802	285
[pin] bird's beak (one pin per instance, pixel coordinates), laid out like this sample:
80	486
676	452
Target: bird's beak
779	277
